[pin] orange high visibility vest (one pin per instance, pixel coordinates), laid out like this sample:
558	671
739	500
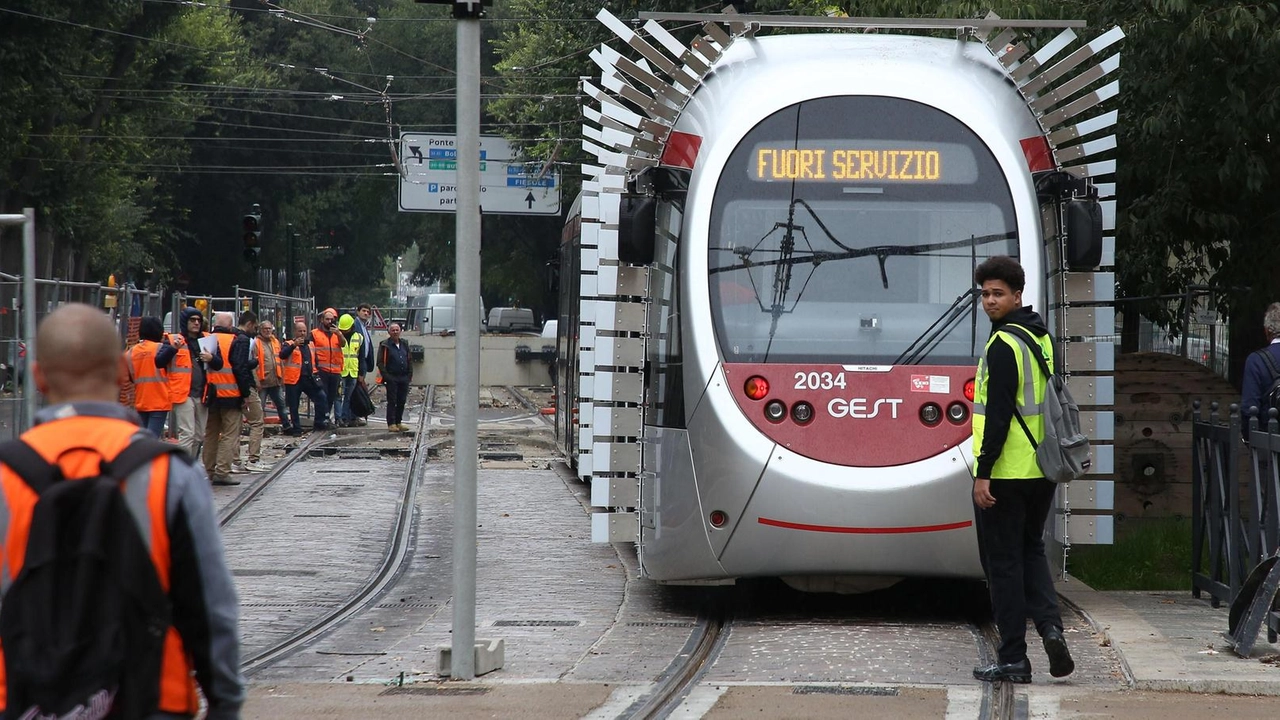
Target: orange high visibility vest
109	436
150	383
261	371
327	355
180	369
291	367
224	381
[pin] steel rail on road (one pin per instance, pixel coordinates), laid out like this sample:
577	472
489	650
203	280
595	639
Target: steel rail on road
702	648
997	698
396	554
246	496
534	408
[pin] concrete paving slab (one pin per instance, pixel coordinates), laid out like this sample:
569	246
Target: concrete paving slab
414	702
1139	705
1172	641
827	701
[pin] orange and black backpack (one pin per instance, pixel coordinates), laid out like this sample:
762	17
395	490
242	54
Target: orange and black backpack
84	622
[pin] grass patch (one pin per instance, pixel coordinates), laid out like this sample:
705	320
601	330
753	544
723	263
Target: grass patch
1148	554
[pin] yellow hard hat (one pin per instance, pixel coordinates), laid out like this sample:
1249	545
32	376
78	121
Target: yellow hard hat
346	322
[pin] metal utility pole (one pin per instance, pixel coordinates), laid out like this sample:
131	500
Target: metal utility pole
467	352
467	359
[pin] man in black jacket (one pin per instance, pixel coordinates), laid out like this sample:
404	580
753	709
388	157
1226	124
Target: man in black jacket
1011	495
393	365
300	377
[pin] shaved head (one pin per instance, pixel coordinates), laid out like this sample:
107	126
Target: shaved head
78	355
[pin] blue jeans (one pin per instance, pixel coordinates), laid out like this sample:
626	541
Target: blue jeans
153	420
330	383
277	399
344	407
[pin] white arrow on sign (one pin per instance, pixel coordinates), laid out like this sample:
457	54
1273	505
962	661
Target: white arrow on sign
429	183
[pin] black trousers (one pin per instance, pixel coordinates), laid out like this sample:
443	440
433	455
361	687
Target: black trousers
313	390
1011	537
397	393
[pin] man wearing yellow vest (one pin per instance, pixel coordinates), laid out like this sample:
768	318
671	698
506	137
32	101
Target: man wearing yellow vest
351	353
1011	495
147	371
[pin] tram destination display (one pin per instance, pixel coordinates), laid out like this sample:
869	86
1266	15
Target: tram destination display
863	161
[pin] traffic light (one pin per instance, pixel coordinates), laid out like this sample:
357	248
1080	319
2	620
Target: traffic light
252	225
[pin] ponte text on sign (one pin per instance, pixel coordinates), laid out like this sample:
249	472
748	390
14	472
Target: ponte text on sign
507	185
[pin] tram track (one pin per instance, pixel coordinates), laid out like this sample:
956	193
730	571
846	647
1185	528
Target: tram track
998	701
699	652
231	510
394	557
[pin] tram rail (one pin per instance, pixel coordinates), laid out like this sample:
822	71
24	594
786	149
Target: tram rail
998	700
393	560
711	631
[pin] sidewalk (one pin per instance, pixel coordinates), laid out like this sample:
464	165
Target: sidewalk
1170	641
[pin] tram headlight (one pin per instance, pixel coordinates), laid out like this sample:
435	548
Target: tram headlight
802	413
757	387
957	412
775	411
930	414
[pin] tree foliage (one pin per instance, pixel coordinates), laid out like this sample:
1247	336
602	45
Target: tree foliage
1197	153
142	131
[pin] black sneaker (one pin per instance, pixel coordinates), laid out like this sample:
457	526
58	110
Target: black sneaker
224	480
1019	672
1055	646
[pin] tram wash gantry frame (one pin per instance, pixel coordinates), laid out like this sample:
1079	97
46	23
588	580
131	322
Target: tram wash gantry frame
660	81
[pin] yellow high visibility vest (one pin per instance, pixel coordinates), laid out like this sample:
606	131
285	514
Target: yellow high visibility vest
1017	457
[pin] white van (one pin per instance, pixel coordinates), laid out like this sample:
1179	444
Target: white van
511	319
439	316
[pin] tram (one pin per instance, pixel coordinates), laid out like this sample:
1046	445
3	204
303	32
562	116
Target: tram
810	326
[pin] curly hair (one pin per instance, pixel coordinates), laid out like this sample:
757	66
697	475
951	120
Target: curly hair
1001	267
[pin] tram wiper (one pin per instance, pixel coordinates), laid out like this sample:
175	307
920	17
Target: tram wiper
939	330
880	252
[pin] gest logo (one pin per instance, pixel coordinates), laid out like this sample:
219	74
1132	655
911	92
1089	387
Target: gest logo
857	407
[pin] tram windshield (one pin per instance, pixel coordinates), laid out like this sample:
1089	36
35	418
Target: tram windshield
844	229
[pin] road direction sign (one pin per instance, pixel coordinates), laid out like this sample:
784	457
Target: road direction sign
507	187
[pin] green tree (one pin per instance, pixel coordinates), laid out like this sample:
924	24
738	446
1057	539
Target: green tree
96	93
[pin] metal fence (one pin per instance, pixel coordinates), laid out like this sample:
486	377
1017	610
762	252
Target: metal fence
125	305
1205	339
1235	509
280	310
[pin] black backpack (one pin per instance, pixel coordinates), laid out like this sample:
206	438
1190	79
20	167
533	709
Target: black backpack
1270	398
83	624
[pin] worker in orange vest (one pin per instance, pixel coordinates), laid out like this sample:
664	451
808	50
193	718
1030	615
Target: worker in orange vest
78	371
187	381
230	381
326	352
148	361
267	375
